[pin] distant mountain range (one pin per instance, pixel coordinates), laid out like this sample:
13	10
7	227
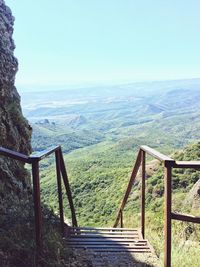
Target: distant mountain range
167	113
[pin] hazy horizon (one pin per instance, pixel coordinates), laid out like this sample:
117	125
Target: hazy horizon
87	85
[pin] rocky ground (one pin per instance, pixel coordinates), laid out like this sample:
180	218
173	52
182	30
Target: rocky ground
92	259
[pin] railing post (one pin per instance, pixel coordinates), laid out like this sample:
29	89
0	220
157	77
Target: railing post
143	194
168	227
59	184
121	219
37	204
67	188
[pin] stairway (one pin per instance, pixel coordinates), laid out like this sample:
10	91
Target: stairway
107	240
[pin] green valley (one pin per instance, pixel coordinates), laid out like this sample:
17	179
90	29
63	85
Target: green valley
100	130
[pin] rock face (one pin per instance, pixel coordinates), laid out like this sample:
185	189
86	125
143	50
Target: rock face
193	198
15	132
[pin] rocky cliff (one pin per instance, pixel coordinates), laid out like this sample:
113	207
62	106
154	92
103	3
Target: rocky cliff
15	132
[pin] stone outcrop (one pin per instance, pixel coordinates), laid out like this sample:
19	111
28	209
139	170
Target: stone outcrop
193	198
15	132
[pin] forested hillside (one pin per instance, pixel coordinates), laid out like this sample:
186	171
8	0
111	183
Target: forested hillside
100	130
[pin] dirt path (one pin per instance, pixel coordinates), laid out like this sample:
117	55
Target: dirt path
122	259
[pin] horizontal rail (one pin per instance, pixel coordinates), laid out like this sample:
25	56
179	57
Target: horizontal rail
157	155
187	164
14	155
45	153
169	161
28	159
185	218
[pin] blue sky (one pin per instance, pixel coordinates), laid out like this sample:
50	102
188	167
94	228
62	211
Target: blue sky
78	41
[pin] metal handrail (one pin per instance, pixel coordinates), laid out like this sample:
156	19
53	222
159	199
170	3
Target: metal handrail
14	155
185	217
44	153
61	173
169	163
156	154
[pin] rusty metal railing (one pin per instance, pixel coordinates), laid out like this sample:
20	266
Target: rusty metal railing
61	174
169	164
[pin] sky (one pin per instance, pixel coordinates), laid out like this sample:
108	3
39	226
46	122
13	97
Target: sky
91	41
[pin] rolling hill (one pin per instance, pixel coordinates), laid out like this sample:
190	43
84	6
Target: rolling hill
100	130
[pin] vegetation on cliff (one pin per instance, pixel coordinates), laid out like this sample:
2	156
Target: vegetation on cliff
17	240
